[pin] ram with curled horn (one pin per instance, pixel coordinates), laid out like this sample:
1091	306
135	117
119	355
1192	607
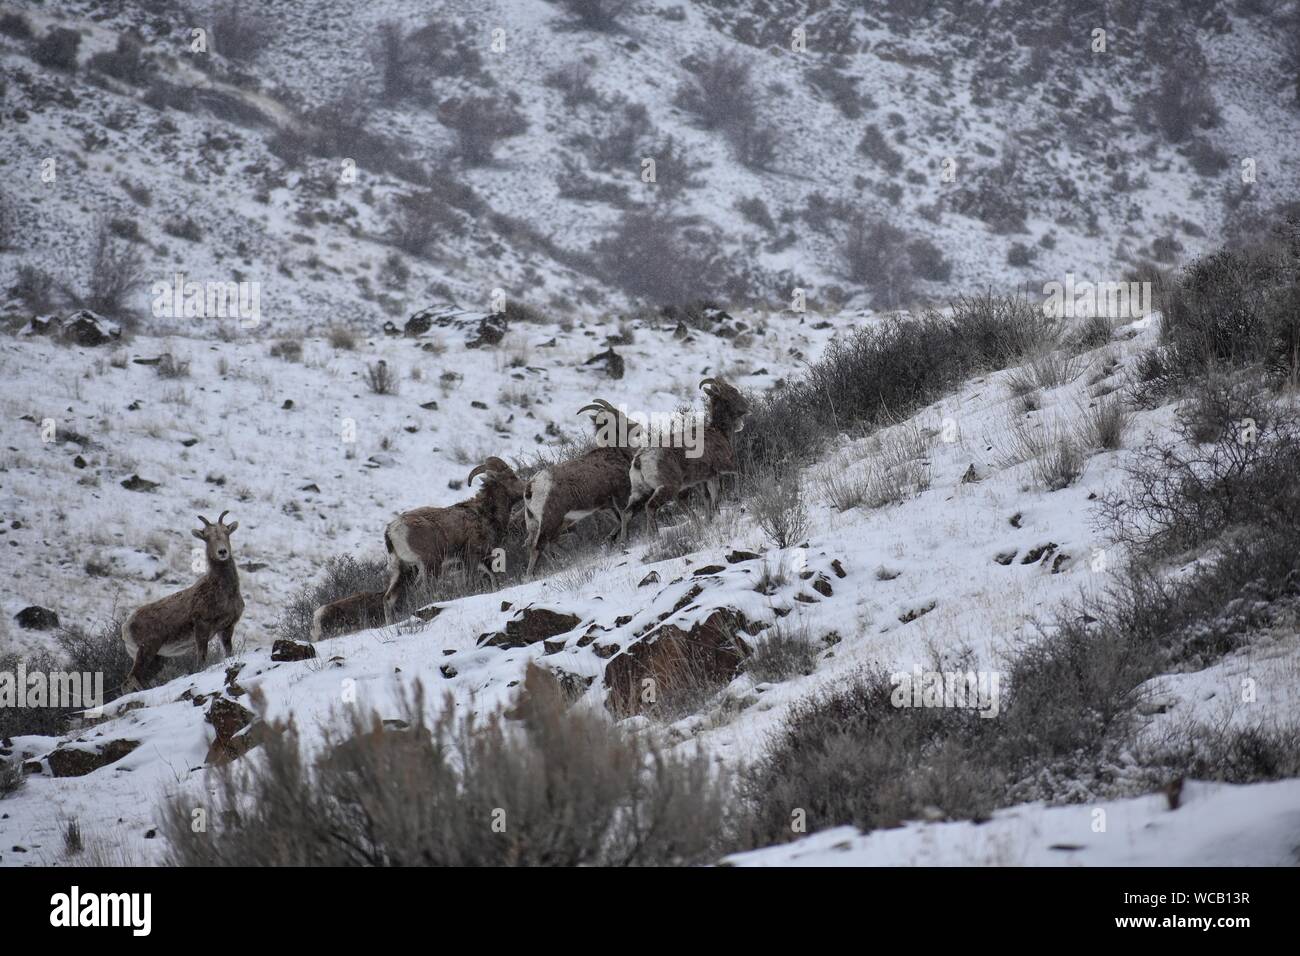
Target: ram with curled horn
559	496
419	541
663	473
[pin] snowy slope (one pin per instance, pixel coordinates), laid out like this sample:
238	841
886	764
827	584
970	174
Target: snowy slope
936	550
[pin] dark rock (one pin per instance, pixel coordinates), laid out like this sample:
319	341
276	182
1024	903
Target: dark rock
287	650
822	587
651	578
1040	553
71	762
36	618
737	556
970	475
78	462
711	650
838	568
136	483
88	329
1005	558
709	569
530	625
491	330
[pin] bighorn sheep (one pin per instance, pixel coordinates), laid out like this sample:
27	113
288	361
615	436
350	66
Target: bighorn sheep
355	612
426	537
171	626
558	497
658	475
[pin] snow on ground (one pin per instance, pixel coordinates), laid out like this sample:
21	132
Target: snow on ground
1214	825
955	568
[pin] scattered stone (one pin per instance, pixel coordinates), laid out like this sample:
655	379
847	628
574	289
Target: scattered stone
136	483
970	475
530	625
36	618
737	556
1040	553
75	762
909	616
651	578
709	569
1005	557
78	462
287	650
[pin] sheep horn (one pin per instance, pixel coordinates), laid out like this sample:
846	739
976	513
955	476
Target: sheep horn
491	466
599	405
708	381
206	522
222	519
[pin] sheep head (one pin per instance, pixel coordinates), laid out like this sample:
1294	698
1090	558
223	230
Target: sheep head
625	432
216	537
726	403
496	473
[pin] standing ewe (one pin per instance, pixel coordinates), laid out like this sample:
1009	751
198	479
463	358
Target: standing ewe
426	537
171	626
658	475
558	497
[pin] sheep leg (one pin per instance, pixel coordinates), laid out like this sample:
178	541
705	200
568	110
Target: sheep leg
146	664
712	491
201	639
227	635
393	593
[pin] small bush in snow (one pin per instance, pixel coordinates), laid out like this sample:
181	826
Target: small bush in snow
776	502
238	34
784	652
480	123
115	270
11	776
58	49
35	289
381	379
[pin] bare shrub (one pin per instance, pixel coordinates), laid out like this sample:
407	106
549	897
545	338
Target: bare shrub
381	379
785	651
875	254
35	289
115	269
480	123
125	62
417	221
1235	307
1184	493
1046	370
239	34
660	257
776	501
1104	423
58	49
722	95
171	366
11	776
341	337
574	788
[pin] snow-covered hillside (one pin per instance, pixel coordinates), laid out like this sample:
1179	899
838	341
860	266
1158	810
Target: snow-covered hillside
957	571
904	152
